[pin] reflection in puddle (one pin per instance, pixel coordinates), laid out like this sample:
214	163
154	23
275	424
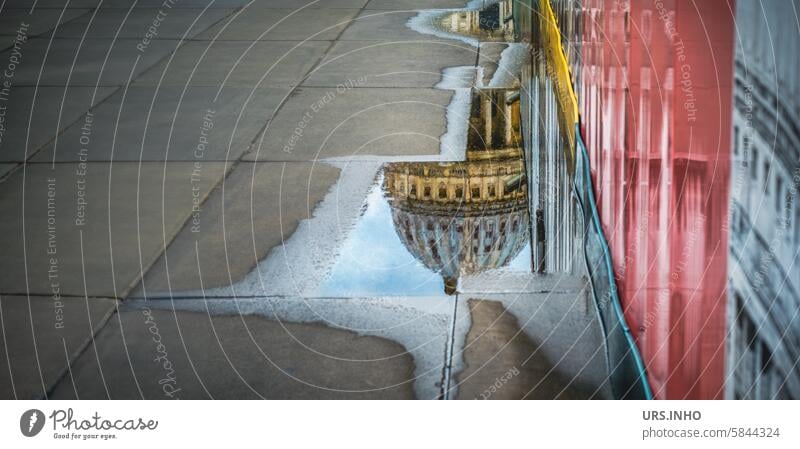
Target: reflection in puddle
492	23
477	23
425	225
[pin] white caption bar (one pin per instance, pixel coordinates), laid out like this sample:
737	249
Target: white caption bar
401	424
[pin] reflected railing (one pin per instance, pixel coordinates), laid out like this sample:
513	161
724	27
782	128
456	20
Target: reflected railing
566	223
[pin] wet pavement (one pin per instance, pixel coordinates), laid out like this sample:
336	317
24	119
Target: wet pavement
317	202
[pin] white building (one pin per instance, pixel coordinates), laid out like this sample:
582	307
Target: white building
763	354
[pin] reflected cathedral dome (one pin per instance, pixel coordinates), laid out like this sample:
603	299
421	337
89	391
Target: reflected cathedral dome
460	218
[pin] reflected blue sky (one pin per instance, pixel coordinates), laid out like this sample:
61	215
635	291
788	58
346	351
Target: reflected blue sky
373	261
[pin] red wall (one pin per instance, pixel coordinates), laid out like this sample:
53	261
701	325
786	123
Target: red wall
655	91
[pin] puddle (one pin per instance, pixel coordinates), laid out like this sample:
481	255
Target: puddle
489	23
481	21
403	226
397	234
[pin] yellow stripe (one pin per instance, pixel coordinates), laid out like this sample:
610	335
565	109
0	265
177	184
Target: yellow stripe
560	75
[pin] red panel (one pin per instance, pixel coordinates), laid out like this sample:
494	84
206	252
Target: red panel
656	113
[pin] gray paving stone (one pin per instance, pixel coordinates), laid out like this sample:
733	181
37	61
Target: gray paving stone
50	4
533	345
100	62
131	212
266	63
251	24
42	21
41	336
35	116
181	4
375	24
308	4
260	208
135	24
415	4
356	122
236	357
5	169
390	63
157	124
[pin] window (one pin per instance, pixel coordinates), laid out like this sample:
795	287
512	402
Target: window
492	192
459	192
797	227
735	140
766	177
442	191
779	198
476	192
754	165
426	193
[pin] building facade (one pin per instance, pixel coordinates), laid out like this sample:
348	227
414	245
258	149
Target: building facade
764	301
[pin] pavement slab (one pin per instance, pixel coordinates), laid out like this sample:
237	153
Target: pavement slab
354	122
253	23
99	62
255	209
167	354
544	345
309	4
391	63
41	336
377	25
43	5
35	116
129	213
173	123
12	20
6	169
182	4
136	23
241	64
416	4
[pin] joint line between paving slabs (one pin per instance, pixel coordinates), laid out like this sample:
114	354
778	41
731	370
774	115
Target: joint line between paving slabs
449	349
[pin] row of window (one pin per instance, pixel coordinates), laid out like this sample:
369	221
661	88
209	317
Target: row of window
773	184
459	191
753	363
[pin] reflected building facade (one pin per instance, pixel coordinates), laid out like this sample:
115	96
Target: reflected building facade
463	218
655	117
494	22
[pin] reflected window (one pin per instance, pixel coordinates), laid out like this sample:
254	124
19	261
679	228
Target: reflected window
797	227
